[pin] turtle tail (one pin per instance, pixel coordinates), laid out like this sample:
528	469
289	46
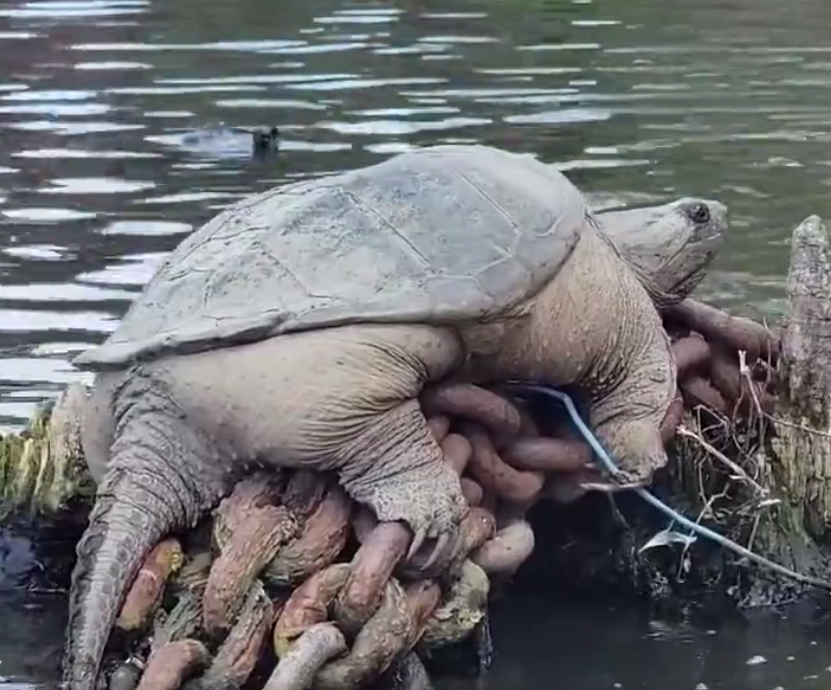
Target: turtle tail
158	481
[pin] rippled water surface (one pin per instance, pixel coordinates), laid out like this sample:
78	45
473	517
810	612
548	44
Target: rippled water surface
642	101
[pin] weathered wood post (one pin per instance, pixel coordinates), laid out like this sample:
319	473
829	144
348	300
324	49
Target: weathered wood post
798	466
803	430
775	497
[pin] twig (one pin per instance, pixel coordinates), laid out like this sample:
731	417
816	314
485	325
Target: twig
706	509
799	427
744	372
756	519
683	431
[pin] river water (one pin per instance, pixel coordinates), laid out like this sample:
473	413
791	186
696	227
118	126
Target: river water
640	102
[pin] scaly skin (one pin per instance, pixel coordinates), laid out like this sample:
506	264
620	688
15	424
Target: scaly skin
182	425
162	476
595	326
166	434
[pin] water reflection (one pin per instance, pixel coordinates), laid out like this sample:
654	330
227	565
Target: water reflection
586	646
640	102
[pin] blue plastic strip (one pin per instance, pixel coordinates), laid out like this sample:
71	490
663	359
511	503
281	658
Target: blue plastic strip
694	527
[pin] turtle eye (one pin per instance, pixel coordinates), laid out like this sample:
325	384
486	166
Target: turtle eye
699	213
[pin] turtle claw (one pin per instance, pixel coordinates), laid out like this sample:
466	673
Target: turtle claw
438	550
427	498
441	546
426	562
419	537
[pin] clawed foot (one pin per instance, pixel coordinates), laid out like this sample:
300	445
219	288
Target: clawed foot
430	501
435	544
636	449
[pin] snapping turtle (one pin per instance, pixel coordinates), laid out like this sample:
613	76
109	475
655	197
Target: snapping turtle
298	327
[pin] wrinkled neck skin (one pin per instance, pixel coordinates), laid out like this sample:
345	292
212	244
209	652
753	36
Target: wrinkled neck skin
661	297
560	336
593	326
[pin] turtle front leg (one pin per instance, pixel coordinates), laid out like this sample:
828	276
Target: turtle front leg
628	420
395	466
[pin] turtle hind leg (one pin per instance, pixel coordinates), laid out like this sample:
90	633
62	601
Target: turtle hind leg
351	408
627	421
162	474
396	468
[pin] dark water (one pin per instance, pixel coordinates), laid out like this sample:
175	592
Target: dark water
640	101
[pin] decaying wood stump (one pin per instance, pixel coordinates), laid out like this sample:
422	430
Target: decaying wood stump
803	443
799	459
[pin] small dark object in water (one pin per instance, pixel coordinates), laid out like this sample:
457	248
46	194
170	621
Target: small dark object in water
237	142
266	139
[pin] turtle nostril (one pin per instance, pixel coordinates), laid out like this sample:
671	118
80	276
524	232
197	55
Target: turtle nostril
699	213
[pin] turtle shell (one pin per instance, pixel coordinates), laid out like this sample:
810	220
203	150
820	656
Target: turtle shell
443	234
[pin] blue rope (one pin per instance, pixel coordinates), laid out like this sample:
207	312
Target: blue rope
694	527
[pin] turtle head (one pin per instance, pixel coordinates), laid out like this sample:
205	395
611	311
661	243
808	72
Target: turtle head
669	246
